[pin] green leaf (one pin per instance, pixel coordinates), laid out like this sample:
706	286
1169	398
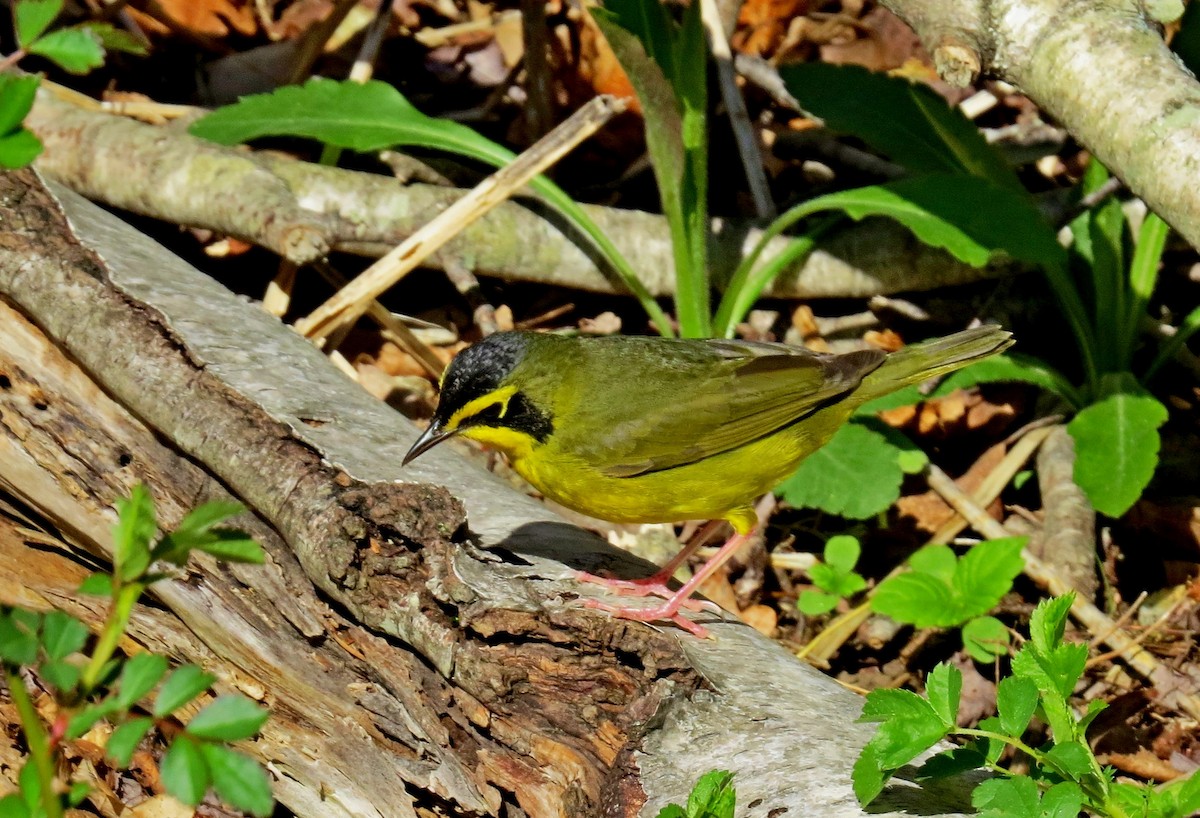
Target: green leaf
1116	449
855	474
1010	367
672	811
909	726
1013	797
713	796
985	638
943	592
990	748
1063	800
1071	759
906	121
868	776
16	99
62	635
234	546
33	17
1053	666
229	718
363	117
938	561
13	806
1016	701
138	677
183	685
86	718
1048	622
18	642
96	585
115	39
184	771
136	526
63	675
842	553
816	603
944	687
125	739
19	149
77	792
238	779
75	50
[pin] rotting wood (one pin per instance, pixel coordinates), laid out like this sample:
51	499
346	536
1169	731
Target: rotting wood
460	678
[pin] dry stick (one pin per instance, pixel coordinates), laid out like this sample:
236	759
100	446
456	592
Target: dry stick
313	42
735	105
364	64
826	643
1172	685
392	329
991	486
354	299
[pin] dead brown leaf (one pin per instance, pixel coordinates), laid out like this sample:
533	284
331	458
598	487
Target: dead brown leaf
203	18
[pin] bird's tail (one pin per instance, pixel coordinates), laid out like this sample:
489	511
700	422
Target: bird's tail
919	362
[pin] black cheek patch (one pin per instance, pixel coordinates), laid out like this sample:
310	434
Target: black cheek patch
523	416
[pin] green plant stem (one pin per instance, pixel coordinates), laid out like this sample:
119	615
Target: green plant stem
40	754
124	597
691	284
1015	743
1143	275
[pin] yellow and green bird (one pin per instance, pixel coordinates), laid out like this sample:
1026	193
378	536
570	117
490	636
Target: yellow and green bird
652	430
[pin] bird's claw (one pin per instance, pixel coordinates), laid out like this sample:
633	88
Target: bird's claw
650	586
668	612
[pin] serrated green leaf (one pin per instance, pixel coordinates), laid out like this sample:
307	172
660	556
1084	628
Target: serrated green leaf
18	149
13	806
1063	800
906	121
96	585
136	526
75	50
77	792
183	685
63	675
944	689
33	17
86	718
916	599
138	677
1116	449
985	638
986	573
184	771
18	642
908	726
1071	759
672	811
229	718
16	99
713	796
115	39
938	561
1012	797
868	776
62	635
125	739
842	552
238	779
1048	622
1016	701
855	474
816	603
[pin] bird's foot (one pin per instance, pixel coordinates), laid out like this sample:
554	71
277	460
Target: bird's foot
654	585
668	611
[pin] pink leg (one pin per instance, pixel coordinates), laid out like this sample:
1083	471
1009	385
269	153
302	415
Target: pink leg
669	609
657	583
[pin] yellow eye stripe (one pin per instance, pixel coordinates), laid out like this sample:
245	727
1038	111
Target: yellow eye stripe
500	396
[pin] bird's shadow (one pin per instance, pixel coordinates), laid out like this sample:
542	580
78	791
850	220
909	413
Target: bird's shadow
574	547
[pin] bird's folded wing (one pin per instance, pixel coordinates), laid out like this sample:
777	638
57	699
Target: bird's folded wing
747	391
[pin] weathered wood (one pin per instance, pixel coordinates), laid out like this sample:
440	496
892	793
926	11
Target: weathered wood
453	670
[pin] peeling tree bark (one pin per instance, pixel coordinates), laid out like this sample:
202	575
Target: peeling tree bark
414	632
1100	67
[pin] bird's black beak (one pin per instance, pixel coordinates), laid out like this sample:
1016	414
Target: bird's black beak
431	437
